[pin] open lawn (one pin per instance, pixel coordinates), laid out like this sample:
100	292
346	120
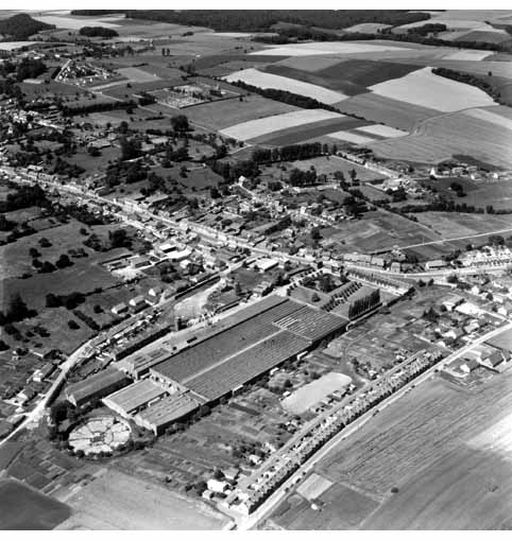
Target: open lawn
22	508
425	89
262	79
122	502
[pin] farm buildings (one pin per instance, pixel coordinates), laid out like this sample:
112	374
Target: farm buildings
251	343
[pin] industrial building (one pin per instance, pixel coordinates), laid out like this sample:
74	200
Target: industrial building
130	400
96	386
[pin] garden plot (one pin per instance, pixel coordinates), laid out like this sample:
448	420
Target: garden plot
311	394
425	89
322	48
259	79
263	126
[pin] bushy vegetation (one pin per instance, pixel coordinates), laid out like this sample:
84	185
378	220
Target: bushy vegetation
22	26
97	32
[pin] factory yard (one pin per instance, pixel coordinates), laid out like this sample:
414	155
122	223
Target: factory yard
116	501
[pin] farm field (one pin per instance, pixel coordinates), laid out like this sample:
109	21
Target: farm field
351	137
263	126
314	130
439	138
262	79
350	77
222	114
378	231
394	113
445	448
118	501
333	47
451	225
22	508
425	89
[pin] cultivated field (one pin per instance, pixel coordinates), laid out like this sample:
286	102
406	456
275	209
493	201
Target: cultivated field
222	114
425	89
270	124
268	80
350	137
439	138
446	450
375	108
332	47
121	502
350	77
450	224
315	130
136	75
22	508
383	131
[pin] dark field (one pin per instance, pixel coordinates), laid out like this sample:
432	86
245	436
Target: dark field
21	508
351	77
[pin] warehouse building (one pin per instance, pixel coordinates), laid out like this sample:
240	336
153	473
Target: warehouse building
137	396
167	411
96	386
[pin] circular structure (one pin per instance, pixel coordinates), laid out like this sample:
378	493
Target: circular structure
100	434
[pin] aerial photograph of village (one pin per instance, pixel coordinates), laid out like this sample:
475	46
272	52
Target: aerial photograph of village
255	269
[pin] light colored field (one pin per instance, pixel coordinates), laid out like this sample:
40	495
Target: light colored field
494	116
65	20
350	137
13	45
314	486
136	75
268	80
468	55
450	224
121	502
311	394
383	131
322	48
465	19
375	108
370	28
262	126
423	88
439	138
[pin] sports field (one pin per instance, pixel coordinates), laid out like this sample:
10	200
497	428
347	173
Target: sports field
261	79
123	502
22	508
312	393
